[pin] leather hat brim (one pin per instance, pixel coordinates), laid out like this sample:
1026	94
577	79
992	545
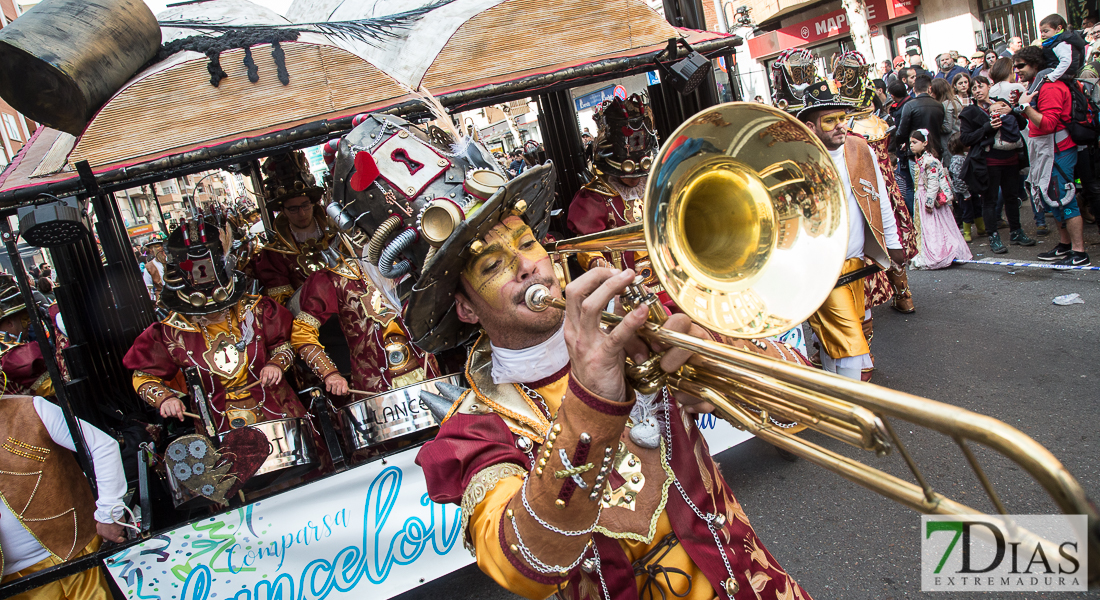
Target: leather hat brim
429	314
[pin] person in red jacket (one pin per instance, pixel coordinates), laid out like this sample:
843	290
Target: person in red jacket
1052	153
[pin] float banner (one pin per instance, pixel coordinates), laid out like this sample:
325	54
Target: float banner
370	532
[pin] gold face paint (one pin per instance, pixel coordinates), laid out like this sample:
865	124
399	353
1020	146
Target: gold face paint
830	122
488	272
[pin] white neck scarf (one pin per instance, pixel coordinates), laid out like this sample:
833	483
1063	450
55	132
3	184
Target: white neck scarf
530	364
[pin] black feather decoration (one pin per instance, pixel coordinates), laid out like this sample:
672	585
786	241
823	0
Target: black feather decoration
368	31
250	64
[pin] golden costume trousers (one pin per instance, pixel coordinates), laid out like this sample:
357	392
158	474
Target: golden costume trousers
86	585
839	321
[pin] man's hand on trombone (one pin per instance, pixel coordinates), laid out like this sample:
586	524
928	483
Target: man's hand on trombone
598	356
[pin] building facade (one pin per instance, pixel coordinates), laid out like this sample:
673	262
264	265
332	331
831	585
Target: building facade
931	26
15	129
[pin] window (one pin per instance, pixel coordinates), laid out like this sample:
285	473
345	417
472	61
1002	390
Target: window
12	127
1009	18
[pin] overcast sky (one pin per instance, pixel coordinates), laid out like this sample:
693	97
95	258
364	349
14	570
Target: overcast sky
278	6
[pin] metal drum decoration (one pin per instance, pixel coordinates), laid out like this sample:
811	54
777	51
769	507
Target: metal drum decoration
391	415
292	452
61	60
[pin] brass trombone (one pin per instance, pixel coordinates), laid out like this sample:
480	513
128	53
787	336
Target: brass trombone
746	227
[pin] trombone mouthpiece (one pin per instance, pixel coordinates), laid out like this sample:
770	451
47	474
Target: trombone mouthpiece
537	297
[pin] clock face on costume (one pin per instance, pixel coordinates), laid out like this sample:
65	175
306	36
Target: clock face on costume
223	357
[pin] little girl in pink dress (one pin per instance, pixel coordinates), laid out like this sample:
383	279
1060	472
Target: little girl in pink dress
938	238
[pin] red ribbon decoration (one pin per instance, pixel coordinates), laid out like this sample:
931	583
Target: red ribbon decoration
366	171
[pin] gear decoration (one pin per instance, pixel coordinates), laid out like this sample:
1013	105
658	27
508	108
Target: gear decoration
791	73
287	176
625	137
850	72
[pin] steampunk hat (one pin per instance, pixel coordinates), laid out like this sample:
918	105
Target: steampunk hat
850	72
424	200
820	96
625	139
11	300
197	280
287	176
792	72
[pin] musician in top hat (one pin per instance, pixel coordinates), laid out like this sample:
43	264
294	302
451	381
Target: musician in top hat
872	237
301	235
20	357
623	150
850	72
566	477
239	343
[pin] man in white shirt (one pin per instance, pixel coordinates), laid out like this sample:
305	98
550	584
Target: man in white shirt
48	515
154	268
872	232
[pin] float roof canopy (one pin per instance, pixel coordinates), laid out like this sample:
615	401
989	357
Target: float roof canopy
350	57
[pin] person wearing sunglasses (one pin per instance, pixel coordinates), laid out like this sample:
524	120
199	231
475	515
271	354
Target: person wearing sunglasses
872	233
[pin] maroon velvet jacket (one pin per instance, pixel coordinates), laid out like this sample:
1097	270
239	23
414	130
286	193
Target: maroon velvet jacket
468	443
174	343
25	369
365	320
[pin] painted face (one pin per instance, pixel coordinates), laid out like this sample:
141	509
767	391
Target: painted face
497	279
510	248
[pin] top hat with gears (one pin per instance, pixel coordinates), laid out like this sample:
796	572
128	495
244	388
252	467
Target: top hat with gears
426	201
850	72
792	72
822	95
287	176
11	300
198	280
625	140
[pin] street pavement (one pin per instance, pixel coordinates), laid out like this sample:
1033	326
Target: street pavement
984	338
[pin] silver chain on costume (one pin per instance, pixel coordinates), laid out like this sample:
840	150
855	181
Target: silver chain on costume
532	394
599	570
709	519
534	561
530	511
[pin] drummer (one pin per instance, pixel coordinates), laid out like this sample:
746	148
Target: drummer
239	343
302	234
625	144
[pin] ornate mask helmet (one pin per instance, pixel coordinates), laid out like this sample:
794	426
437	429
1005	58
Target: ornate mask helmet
425	200
198	280
822	95
626	140
287	176
850	72
11	300
792	73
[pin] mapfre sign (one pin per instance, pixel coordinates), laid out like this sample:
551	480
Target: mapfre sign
833	24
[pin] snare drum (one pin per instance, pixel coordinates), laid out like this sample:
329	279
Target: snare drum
292	452
390	415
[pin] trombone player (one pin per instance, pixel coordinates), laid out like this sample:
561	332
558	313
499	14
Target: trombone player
872	234
567	478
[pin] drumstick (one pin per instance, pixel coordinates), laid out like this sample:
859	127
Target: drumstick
362	393
192	415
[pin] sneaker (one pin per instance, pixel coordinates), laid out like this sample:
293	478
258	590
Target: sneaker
1020	238
1055	253
1042	230
995	244
1073	259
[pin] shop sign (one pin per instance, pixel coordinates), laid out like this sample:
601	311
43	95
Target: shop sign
829	25
139	230
495	130
595	98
